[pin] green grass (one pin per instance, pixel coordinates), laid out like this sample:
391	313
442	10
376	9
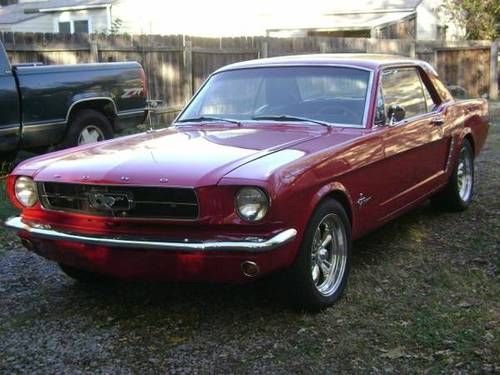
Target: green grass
6	208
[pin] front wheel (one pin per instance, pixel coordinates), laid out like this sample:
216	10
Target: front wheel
319	274
458	193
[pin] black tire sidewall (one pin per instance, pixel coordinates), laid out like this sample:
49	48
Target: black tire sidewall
305	293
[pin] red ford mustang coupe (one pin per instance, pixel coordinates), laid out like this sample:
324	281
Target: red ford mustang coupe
275	164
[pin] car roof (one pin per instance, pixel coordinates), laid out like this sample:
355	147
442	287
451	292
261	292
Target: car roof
360	60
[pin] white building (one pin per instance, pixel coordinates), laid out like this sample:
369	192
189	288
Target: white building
409	19
68	16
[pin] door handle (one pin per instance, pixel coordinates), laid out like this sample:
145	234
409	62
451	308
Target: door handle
437	121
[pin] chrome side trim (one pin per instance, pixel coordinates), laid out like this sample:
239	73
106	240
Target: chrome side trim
13	128
133	112
254	245
90	99
37	126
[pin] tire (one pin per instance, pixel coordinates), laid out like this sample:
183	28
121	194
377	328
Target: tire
85	127
312	287
458	193
82	276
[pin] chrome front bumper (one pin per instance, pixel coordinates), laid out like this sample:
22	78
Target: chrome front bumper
255	245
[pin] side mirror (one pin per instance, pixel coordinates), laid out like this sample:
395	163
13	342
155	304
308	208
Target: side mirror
395	113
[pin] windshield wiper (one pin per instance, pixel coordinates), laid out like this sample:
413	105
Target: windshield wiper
210	118
291	118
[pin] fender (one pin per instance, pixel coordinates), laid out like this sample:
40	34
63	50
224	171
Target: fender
329	189
78	100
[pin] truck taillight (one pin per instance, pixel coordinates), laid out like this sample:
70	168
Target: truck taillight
144	83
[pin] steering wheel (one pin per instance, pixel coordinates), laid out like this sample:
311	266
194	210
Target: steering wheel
269	109
338	110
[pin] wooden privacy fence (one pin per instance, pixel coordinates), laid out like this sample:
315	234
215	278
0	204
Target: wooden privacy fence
177	65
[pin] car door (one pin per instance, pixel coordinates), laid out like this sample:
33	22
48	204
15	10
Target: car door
414	147
9	102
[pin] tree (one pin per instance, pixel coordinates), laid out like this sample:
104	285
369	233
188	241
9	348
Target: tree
116	26
481	17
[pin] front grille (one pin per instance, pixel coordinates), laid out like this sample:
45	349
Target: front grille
120	201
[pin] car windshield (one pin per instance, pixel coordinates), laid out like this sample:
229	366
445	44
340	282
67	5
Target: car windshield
319	95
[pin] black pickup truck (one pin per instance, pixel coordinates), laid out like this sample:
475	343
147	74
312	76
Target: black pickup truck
67	105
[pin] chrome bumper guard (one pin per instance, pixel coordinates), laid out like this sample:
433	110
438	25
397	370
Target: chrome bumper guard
255	245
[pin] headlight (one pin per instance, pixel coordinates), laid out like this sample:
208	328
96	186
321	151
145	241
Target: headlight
25	190
252	203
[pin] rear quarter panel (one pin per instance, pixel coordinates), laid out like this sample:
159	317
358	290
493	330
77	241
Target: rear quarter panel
48	93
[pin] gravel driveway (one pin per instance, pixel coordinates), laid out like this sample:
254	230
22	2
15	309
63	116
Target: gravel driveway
423	295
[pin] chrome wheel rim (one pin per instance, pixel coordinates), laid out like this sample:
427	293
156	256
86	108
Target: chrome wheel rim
329	255
464	174
90	134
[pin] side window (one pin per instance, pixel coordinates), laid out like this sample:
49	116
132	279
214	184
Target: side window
402	87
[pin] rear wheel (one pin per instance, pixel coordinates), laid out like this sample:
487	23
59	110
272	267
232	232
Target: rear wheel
458	193
319	274
87	126
82	276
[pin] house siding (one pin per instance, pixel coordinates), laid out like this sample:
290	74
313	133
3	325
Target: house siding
48	23
431	16
38	24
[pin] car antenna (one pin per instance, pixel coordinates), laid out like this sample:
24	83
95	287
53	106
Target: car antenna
152	107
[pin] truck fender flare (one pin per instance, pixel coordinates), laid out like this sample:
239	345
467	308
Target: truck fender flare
91	99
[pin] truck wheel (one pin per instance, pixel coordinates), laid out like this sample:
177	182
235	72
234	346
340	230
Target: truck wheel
85	277
88	126
319	274
457	195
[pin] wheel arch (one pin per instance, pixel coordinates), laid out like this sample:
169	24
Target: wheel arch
468	136
338	192
104	105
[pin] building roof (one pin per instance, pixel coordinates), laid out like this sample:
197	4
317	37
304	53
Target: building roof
344	15
341	21
370	6
20	12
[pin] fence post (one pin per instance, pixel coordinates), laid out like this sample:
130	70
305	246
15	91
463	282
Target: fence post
413	49
94	51
187	72
494	70
264	49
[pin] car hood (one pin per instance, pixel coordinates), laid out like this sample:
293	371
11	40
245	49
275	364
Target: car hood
184	156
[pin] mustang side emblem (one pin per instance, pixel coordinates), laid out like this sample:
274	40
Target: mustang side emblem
362	200
109	201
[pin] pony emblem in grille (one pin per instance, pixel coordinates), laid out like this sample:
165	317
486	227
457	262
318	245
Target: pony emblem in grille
108	201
